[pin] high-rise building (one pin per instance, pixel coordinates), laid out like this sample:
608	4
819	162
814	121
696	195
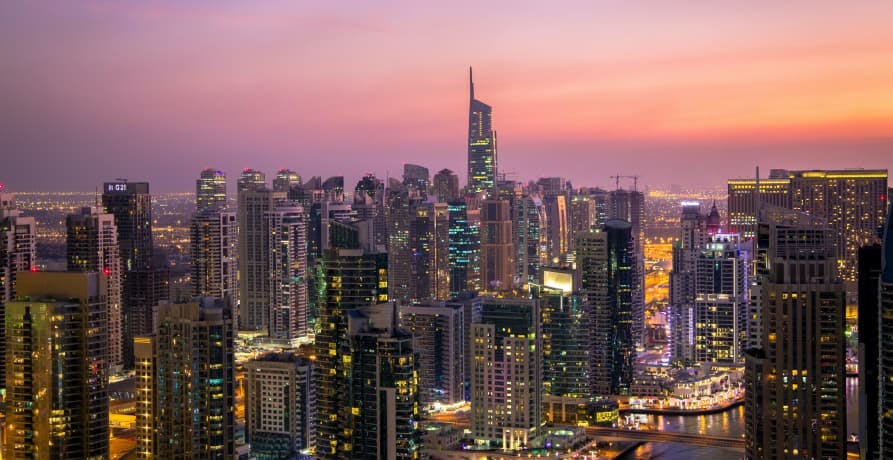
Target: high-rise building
481	144
461	246
210	190
506	372
497	247
885	326
605	263
368	203
629	205
401	210
693	236
439	332
256	201
251	179
416	177
92	246
602	202
566	332
289	315
351	279
280	402
795	396
429	243
721	300
580	216
18	253
853	202
184	383
285	180
558	230
869	350
131	205
530	227
213	244
381	412
445	186
57	404
744	199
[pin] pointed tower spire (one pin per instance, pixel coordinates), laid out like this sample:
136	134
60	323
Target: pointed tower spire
470	83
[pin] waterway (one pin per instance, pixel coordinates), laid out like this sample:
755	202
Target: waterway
729	423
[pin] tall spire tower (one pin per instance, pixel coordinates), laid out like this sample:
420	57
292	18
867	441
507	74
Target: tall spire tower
481	143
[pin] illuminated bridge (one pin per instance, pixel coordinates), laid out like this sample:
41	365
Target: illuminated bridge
666	436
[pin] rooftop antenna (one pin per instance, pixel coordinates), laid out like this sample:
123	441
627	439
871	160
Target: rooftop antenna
470	83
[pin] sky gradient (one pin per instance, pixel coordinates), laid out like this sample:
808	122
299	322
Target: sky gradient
678	92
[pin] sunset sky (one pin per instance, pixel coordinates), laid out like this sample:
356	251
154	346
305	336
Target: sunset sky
678	92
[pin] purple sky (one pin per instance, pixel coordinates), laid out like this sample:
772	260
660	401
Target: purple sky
677	92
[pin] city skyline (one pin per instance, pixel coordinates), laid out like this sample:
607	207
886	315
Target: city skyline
610	89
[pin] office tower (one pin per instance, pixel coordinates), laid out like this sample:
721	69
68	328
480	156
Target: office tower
629	205
280	402
721	299
869	350
743	199
853	202
551	186
461	246
285	180
57	404
566	331
558	230
497	247
368	203
795	396
184	383
693	235
352	279
92	246
481	144
438	329
531	237
323	221
885	377
210	191
18	253
213	236
131	205
602	202
288	316
383	420
506	372
445	187
401	206
605	263
429	243
416	177
256	201
143	291
580	217
251	179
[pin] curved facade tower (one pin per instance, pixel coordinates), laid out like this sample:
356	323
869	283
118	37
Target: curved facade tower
481	144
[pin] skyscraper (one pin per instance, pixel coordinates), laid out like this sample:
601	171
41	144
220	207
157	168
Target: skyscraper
506	372
497	247
566	332
721	300
416	177
743	199
794	385
629	205
530	228
461	247
57	401
210	191
382	379
481	144
869	350
352	279
285	180
280	402
289	315
445	187
184	383
885	326
18	253
429	243
131	205
256	201
92	246
439	332
605	261
693	236
558	230
213	244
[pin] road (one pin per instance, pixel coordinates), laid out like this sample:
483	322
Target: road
668	437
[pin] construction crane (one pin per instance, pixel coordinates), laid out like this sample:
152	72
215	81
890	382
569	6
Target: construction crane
634	178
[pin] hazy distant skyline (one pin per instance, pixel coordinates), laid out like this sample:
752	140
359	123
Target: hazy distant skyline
676	92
